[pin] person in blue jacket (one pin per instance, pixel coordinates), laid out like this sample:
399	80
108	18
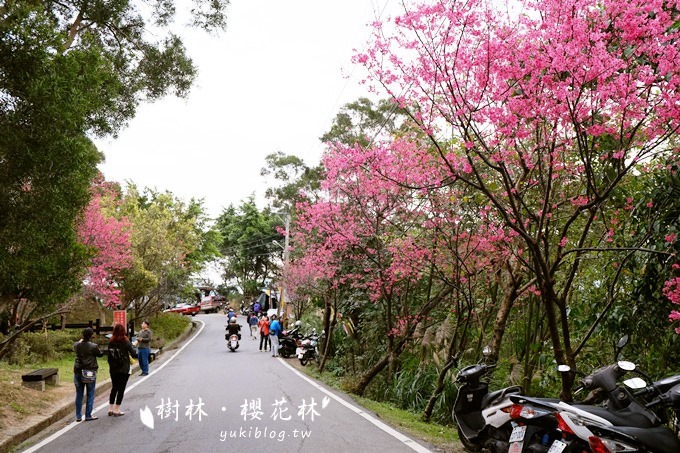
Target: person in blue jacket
274	332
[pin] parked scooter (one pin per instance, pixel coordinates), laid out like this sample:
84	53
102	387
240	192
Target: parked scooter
586	433
483	418
662	439
288	341
555	426
307	349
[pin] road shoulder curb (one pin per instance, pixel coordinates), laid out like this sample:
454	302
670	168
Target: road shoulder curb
67	406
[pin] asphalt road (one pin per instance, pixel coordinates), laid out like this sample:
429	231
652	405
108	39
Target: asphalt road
204	398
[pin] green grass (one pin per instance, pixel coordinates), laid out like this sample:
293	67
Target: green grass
413	423
17	407
65	366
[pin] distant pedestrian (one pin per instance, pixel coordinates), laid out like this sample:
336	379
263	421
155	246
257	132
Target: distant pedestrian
144	347
256	307
120	351
253	322
264	333
85	373
274	332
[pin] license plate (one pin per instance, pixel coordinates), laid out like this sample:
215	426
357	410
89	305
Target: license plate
517	434
557	447
516	447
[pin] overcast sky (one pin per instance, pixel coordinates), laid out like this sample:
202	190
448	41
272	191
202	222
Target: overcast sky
273	81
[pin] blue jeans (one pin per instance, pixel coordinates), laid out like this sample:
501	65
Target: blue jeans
80	390
143	355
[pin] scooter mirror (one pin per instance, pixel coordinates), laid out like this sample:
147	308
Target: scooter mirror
635	383
563	368
622	341
626	365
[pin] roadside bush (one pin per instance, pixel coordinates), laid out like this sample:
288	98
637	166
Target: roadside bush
41	346
19	354
411	387
63	341
166	327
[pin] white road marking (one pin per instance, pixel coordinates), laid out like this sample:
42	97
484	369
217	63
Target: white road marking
388	429
73	424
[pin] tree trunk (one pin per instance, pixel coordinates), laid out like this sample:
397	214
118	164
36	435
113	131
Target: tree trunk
329	323
365	379
439	388
511	290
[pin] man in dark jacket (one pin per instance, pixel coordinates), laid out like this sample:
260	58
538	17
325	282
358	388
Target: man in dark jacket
84	373
144	347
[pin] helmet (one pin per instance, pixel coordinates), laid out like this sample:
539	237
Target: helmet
233	320
298	323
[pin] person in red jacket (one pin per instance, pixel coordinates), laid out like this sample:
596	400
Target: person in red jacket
264	332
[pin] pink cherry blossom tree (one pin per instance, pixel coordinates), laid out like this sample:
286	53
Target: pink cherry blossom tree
109	240
542	108
409	250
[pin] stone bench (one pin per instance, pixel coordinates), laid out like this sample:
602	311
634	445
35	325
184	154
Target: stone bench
36	379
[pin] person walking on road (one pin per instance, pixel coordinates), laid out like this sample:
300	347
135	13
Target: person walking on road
144	347
264	332
120	351
274	332
253	322
85	373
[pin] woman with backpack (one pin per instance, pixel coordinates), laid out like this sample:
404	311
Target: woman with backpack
120	351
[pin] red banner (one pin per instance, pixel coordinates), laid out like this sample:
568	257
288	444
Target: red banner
120	317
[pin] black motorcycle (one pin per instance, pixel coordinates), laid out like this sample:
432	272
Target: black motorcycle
288	342
631	415
483	417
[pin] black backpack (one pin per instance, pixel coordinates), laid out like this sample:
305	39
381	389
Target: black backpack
116	356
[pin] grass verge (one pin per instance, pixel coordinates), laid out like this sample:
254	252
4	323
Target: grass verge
444	438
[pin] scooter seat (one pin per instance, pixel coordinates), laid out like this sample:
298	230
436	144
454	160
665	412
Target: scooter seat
489	398
657	439
618	418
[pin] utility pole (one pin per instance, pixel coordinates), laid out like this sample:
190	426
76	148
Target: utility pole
286	257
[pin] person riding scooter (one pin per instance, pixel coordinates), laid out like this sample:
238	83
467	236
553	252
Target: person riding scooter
233	328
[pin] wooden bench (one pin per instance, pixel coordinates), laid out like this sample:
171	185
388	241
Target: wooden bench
36	379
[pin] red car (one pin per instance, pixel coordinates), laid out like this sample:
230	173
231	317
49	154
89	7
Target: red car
184	309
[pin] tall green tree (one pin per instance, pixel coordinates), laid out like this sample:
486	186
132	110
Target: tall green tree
363	122
170	242
289	179
252	246
69	69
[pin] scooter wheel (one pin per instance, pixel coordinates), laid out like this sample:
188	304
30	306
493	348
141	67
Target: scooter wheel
303	362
